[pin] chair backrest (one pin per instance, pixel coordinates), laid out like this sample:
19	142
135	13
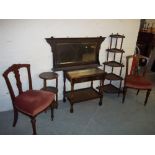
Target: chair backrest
138	65
15	69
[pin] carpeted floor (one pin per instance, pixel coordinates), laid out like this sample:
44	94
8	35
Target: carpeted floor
89	118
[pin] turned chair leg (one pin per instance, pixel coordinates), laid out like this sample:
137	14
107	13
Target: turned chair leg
33	121
124	94
52	112
15	117
147	96
137	92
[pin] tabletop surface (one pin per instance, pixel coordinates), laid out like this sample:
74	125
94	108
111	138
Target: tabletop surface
84	73
48	75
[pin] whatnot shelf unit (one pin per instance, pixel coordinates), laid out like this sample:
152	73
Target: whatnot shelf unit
116	42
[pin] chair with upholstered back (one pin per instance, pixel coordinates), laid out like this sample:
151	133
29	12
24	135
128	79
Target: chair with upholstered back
30	102
135	77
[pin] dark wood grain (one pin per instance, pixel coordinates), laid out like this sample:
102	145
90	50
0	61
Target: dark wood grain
78	76
15	70
74	64
114	49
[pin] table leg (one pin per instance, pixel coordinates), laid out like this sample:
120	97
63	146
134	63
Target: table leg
100	87
44	83
91	84
72	89
101	92
57	93
72	95
64	89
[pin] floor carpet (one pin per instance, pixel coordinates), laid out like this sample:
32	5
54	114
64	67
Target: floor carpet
112	118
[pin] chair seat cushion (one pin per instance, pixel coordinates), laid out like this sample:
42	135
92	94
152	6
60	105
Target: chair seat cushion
33	102
137	82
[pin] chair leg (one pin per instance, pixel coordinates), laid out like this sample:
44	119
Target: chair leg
33	121
56	101
15	117
147	96
52	112
137	92
124	94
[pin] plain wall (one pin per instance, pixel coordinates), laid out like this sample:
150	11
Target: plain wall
23	41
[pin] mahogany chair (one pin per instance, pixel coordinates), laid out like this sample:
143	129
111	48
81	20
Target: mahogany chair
135	79
30	102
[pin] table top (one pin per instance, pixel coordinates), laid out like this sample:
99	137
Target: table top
83	73
48	75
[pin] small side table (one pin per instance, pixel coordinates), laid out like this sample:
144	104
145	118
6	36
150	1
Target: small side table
50	76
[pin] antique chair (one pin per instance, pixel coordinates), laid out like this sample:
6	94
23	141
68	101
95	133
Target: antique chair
135	78
30	102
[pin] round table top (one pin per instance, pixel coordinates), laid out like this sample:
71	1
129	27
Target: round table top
48	75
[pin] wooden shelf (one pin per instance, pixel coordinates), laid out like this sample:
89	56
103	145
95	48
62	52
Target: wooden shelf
109	88
113	64
117	36
112	76
52	89
82	95
115	50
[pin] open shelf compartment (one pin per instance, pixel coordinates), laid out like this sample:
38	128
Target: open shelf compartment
81	95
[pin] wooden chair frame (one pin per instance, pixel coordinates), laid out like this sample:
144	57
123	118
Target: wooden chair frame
127	73
15	69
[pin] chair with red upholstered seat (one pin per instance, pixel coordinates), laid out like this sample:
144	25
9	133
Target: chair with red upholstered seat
135	78
30	102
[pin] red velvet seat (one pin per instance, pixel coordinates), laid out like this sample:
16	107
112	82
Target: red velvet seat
30	102
137	82
33	102
135	78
